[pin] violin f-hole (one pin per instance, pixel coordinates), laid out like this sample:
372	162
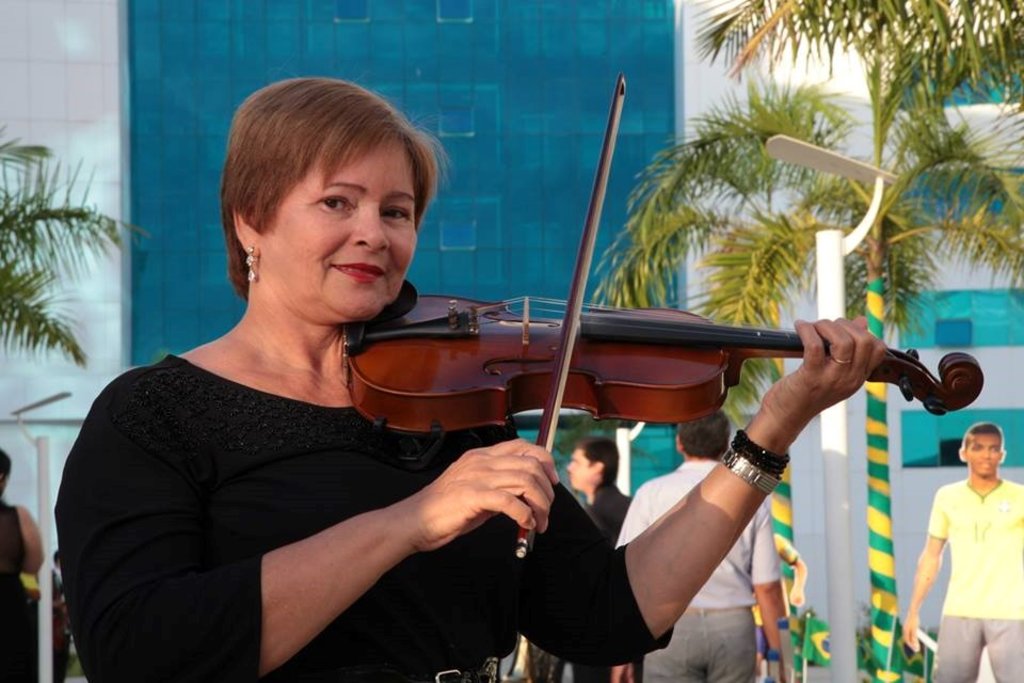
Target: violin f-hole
491	367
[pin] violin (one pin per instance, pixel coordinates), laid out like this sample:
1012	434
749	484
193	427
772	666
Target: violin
470	363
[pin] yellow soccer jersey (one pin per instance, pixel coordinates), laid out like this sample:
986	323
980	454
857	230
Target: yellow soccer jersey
986	542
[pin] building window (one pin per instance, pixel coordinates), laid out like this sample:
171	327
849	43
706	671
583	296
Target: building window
352	10
952	332
949	452
928	440
968	317
455	10
456	122
458	235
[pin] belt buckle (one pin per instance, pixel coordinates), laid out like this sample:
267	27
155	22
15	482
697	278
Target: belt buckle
442	676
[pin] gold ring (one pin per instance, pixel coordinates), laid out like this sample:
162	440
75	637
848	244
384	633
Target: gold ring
841	362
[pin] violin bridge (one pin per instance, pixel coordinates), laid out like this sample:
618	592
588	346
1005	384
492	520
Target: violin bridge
526	321
453	315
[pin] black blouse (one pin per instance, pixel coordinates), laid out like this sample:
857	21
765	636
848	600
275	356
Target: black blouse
180	480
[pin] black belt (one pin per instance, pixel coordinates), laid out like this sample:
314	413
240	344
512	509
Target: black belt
376	673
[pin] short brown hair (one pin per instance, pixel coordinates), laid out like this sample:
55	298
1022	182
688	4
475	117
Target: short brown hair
706	437
285	130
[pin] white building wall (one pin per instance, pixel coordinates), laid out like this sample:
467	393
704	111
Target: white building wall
705	86
60	86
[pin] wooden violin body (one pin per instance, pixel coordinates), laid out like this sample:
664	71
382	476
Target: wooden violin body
451	364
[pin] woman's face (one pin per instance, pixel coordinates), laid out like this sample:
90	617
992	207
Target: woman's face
341	242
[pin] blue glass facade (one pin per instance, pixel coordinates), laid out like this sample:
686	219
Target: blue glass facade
969	317
516	91
932	441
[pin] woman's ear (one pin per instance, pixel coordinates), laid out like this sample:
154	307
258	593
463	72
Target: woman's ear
245	233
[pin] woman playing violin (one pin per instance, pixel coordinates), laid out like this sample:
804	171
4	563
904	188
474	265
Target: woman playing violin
228	515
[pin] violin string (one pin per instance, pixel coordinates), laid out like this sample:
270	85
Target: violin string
666	323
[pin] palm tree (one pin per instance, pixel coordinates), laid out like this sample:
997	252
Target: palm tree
46	233
916	57
719	196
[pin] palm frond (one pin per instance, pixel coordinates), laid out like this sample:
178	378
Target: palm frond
965	184
47	232
978	242
911	268
43	223
12	153
744	32
953	42
974	43
753	271
30	319
636	273
715	180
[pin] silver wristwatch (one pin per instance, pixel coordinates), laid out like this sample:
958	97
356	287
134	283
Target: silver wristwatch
749	472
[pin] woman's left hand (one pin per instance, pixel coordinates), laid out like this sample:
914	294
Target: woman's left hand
822	380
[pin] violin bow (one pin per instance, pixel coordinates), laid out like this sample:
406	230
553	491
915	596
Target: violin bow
574	304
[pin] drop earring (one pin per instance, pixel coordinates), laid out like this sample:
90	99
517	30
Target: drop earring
252	260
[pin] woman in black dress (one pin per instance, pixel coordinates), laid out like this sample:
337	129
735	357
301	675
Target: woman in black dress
227	515
20	551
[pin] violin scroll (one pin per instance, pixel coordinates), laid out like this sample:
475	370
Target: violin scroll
962	377
960	380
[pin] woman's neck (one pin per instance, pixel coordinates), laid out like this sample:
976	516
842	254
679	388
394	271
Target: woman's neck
287	358
289	344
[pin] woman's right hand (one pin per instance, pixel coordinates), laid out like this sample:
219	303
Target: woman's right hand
514	478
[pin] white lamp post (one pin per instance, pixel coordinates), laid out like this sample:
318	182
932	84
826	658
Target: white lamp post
624	437
42	446
832	247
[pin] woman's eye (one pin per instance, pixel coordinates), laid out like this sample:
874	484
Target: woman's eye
336	202
399	213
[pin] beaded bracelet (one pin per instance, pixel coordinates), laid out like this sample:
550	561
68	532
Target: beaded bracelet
772	463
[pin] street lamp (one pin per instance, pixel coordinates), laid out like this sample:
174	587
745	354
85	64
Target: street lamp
42	446
624	437
831	248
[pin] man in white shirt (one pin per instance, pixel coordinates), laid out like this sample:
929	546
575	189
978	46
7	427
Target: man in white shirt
714	641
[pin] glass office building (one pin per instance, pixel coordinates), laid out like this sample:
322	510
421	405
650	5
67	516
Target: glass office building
517	92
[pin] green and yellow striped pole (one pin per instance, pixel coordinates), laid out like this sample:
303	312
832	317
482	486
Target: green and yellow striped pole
782	524
881	560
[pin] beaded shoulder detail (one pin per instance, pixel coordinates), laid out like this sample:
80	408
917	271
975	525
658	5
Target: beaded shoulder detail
176	408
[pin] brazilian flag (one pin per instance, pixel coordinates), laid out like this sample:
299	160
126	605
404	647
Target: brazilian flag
815	649
920	663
